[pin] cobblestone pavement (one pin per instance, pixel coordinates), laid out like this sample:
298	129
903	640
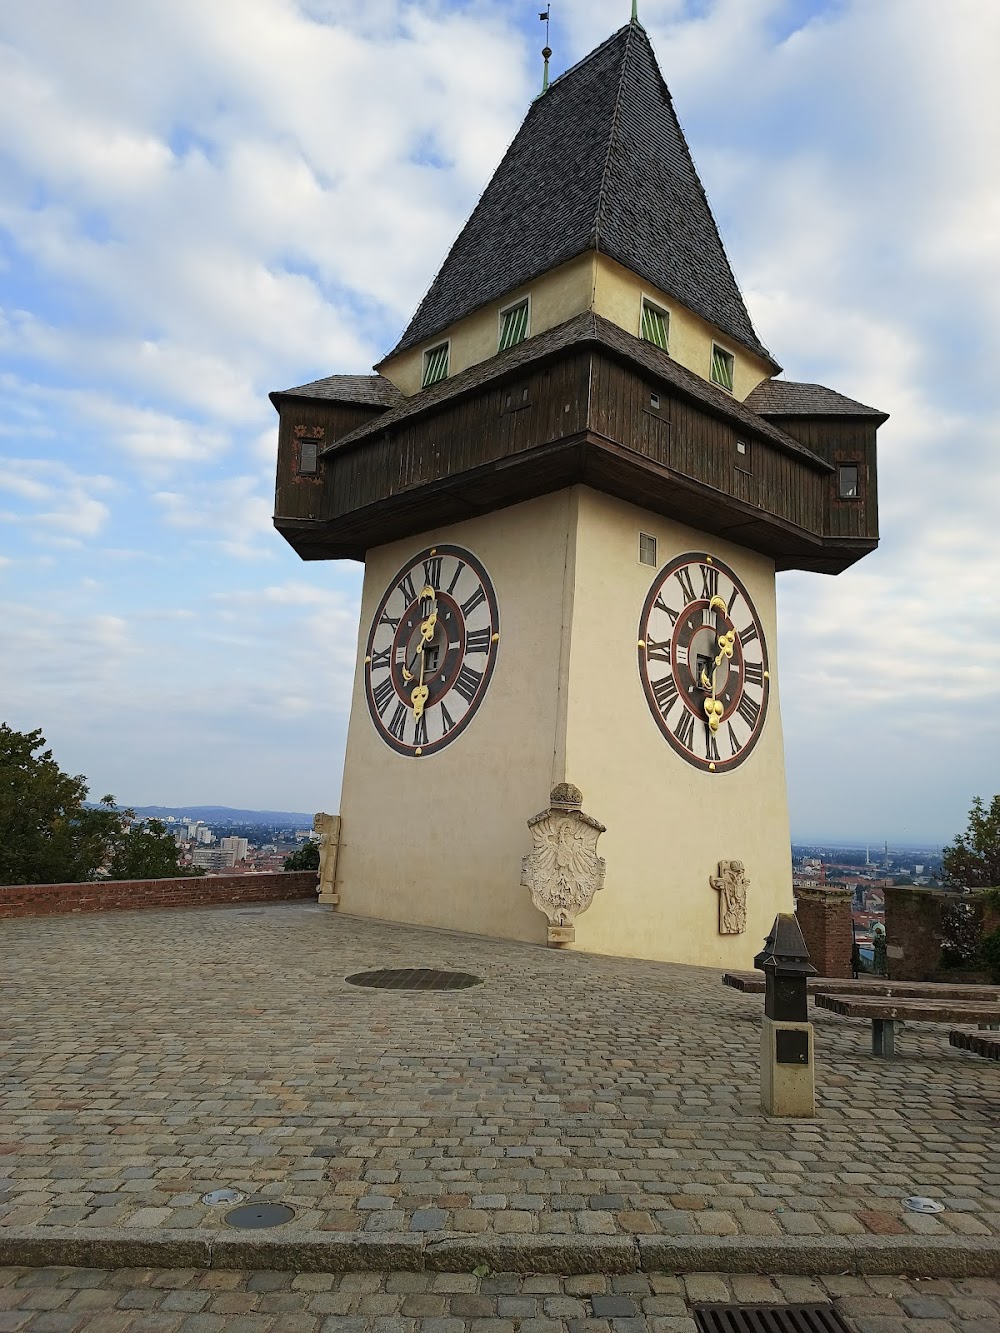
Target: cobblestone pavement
150	1300
148	1057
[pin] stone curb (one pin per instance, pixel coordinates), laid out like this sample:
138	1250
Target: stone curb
344	1252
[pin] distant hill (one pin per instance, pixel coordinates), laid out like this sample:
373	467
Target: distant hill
224	814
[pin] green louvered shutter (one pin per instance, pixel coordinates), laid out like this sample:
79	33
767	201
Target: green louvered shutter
513	326
722	368
435	365
654	325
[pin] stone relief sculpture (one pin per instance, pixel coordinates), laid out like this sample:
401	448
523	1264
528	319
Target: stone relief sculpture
327	831
563	872
731	884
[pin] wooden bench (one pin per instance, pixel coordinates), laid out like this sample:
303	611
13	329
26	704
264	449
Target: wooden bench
753	984
886	1012
988	1047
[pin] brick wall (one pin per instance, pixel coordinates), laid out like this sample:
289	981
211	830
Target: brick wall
189	891
913	931
824	917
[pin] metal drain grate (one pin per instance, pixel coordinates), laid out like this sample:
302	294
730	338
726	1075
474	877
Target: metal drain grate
415	978
768	1319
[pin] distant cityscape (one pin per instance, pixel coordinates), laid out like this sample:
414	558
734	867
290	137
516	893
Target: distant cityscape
232	842
867	872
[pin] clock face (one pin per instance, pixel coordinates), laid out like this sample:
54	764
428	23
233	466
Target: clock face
703	662
431	650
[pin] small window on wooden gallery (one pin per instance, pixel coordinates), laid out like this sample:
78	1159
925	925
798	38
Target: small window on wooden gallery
744	458
514	324
849	481
723	365
647	549
308	458
436	364
654	326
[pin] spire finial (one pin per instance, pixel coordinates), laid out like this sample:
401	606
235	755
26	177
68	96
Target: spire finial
635	11
546	49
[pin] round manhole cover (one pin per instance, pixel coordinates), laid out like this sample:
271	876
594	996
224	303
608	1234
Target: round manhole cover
260	1215
415	978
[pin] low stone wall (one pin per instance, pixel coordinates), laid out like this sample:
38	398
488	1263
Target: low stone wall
917	925
824	917
129	894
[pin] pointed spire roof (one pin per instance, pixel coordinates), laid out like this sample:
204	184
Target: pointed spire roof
600	163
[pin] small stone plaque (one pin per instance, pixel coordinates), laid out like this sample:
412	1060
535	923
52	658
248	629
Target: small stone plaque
791	1048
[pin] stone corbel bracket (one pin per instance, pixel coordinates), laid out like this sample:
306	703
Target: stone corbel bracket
327	831
563	872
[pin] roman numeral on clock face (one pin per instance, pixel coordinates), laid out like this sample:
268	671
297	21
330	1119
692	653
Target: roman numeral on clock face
478	641
711	748
749	634
683	577
455	577
749	711
665	694
406	587
658	652
420	734
660	605
709	582
381	659
432	571
468	682
685	729
754	673
477	598
398	723
382	693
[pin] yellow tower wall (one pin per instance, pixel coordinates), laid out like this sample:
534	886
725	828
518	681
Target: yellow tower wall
668	823
438	840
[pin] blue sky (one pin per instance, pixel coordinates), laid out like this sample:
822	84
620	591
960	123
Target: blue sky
201	203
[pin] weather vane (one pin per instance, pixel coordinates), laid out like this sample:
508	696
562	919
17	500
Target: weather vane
546	49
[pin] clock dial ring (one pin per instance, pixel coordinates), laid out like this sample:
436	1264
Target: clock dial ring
702	657
431	650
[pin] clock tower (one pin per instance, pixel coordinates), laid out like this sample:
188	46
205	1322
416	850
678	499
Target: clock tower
572	483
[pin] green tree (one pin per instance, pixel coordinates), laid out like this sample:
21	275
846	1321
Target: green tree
306	858
46	834
147	852
973	859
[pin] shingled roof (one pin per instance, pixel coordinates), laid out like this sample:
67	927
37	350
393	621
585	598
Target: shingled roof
366	390
600	163
587	328
791	398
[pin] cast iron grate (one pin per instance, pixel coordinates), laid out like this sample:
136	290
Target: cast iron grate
415	978
768	1319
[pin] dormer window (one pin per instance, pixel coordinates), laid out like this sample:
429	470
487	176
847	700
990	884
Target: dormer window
654	326
514	324
723	365
436	364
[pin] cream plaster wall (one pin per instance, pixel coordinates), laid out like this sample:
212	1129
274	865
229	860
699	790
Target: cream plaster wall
590	282
618	297
555	297
669	824
438	840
